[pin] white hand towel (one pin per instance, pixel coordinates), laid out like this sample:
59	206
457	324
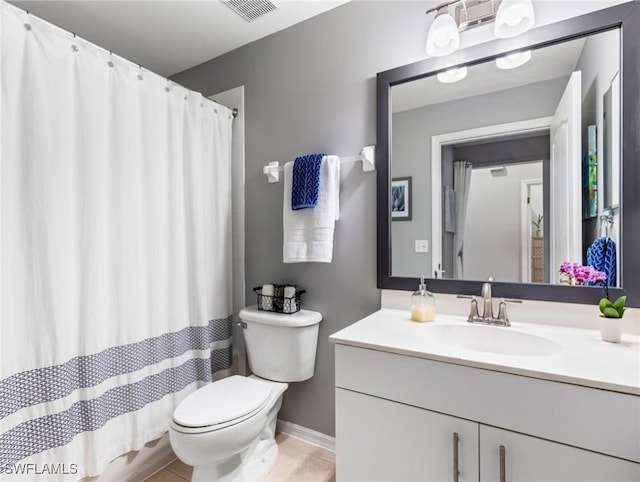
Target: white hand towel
266	300
308	233
290	299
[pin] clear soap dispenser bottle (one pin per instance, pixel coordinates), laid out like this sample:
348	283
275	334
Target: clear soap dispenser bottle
423	304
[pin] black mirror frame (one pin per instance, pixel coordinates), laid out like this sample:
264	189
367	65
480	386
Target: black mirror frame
625	16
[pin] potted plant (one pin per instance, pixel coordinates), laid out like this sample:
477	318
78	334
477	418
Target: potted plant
611	318
538	225
611	311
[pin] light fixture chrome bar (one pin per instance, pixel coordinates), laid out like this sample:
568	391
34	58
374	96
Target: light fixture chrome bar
476	12
470	13
443	5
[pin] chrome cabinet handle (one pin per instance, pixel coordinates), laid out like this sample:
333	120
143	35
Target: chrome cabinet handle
503	472
456	472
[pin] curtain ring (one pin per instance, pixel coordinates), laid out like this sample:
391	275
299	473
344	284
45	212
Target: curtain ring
27	27
75	48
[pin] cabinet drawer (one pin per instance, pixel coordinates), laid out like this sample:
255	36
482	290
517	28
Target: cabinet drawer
597	420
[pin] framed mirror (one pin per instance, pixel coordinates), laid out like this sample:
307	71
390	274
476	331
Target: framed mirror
516	170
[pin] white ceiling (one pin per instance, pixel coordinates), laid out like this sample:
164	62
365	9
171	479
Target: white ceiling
169	36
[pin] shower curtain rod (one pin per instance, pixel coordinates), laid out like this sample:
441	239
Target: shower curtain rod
234	110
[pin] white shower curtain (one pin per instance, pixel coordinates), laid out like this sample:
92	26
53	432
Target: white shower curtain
115	256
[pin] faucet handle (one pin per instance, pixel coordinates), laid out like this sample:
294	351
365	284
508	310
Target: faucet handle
473	312
502	312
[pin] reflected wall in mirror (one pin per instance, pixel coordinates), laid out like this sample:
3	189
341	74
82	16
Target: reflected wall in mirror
505	181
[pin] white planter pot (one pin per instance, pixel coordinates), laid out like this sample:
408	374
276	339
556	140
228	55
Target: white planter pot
611	329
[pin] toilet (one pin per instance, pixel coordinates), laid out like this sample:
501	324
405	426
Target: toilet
226	429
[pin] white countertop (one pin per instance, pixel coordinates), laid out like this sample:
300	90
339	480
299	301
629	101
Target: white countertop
584	359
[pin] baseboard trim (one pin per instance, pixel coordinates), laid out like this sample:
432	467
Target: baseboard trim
307	435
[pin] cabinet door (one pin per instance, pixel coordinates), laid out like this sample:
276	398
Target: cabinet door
532	459
380	440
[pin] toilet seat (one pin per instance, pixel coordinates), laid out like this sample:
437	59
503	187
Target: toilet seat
220	404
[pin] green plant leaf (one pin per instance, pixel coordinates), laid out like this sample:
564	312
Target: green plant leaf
604	303
611	312
619	305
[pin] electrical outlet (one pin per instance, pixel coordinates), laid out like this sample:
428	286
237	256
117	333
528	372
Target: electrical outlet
422	245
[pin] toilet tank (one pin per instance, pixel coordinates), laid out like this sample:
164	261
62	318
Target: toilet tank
281	347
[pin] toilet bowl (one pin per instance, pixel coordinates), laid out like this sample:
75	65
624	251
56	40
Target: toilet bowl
226	429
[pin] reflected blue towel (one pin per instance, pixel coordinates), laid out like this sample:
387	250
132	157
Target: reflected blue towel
305	183
601	255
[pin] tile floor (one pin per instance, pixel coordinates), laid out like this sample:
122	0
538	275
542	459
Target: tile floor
298	461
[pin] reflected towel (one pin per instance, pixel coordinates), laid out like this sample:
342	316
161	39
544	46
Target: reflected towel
601	255
308	233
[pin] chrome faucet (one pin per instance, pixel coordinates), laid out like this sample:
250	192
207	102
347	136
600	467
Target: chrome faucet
487	317
487	310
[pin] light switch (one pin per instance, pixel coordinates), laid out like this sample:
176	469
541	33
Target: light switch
422	245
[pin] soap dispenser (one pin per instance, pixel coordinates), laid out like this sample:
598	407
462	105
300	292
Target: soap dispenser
423	304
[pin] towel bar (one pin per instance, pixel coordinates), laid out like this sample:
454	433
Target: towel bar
367	156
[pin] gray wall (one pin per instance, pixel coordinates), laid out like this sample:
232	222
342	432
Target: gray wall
599	63
308	88
312	88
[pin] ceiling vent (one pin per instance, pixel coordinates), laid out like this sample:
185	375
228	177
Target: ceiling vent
250	10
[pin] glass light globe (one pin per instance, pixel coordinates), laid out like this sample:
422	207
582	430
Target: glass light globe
443	37
513	18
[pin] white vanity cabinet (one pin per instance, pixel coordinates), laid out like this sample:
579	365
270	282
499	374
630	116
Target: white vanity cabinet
396	416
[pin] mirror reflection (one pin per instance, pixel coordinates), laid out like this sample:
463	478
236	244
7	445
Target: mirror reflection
514	167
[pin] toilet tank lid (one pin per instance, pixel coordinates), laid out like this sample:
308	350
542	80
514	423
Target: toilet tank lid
301	318
221	401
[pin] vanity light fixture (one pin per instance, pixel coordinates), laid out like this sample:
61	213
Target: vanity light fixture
512	17
513	60
452	75
443	37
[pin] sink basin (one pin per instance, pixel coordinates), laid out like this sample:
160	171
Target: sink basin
492	339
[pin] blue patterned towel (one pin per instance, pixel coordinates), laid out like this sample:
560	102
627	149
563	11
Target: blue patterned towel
601	255
305	184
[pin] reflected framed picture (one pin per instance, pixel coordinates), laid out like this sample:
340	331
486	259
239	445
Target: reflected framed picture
401	199
590	176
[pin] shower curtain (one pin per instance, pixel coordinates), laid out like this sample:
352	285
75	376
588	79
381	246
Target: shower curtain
461	182
115	235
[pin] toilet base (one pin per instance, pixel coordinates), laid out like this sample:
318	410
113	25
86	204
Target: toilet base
262	460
